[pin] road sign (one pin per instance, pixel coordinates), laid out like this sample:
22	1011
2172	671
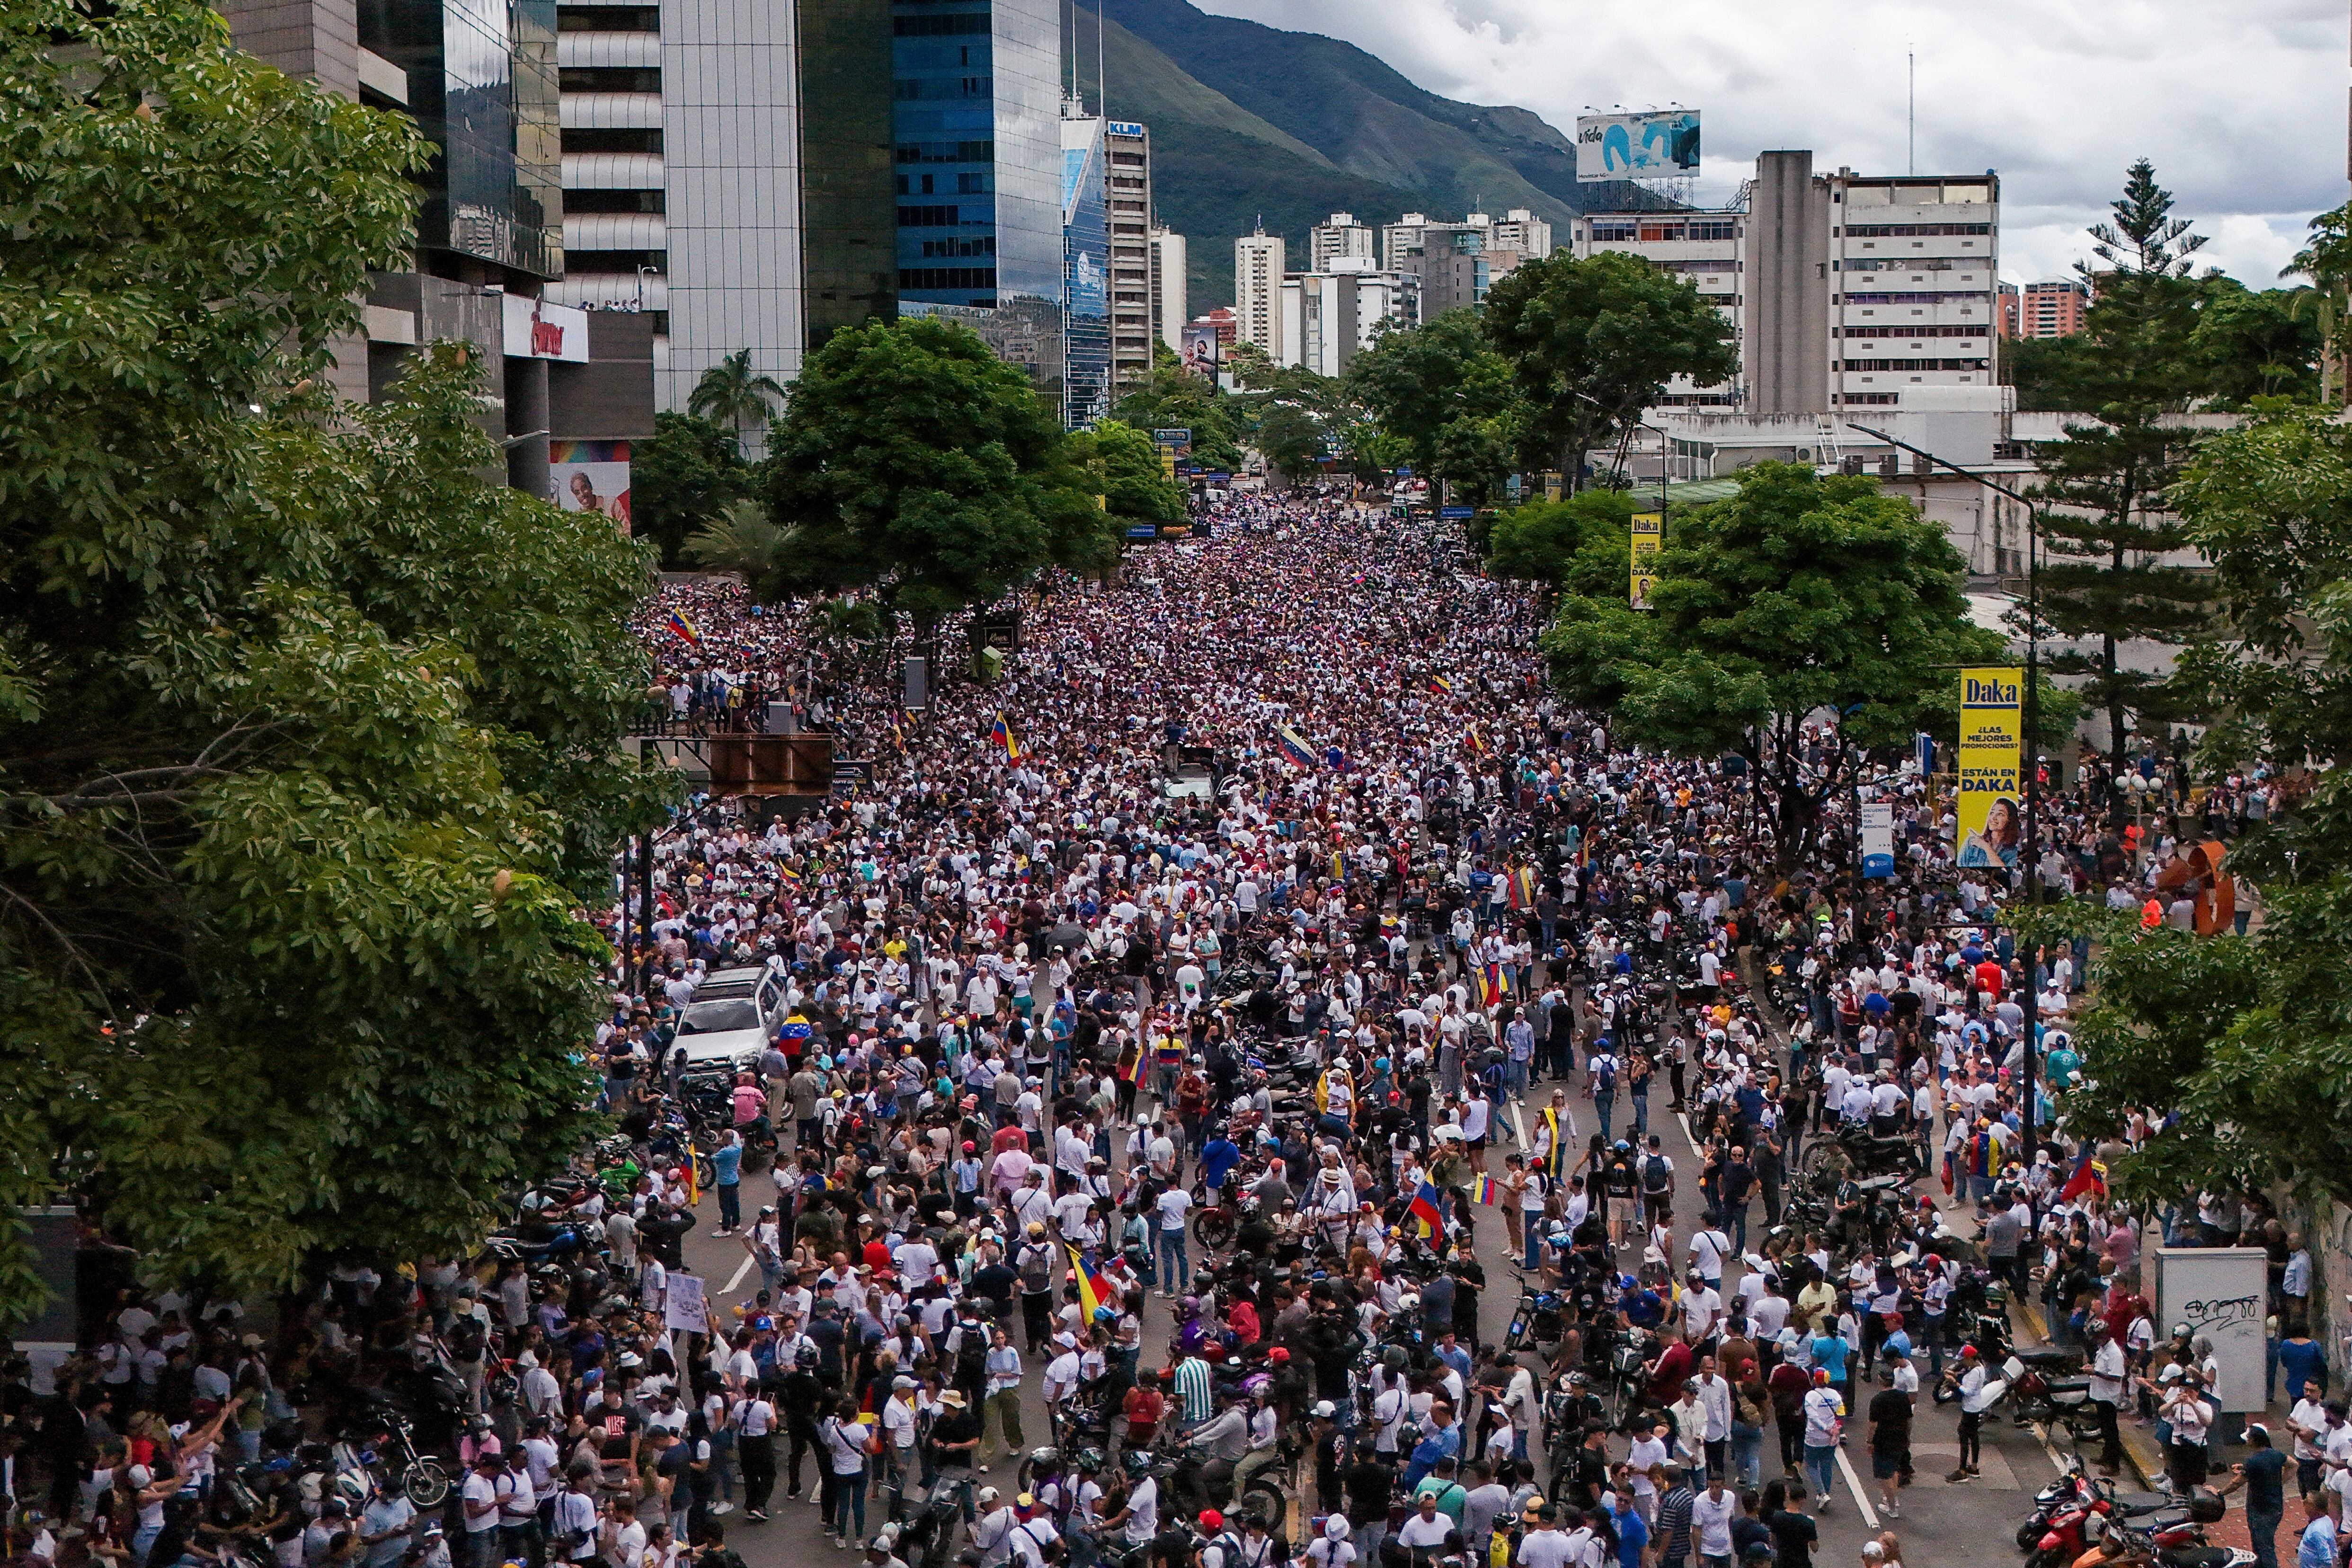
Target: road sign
1457	512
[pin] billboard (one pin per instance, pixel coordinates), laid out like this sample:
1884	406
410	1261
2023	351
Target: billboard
1199	338
1649	531
1658	145
534	330
1990	822
590	476
1878	839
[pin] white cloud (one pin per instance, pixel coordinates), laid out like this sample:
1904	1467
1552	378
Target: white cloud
2241	103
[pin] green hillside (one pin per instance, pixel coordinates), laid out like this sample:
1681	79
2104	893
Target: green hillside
1248	119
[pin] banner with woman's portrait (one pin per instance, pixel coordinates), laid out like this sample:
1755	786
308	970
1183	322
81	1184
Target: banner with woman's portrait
1991	814
590	476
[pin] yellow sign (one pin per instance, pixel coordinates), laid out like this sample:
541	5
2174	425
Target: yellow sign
1649	532
1989	813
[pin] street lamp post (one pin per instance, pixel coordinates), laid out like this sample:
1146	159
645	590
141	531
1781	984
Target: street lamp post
2032	1005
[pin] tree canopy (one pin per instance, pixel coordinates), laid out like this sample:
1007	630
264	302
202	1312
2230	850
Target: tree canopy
1580	544
1444	393
684	479
1593	340
1173	398
912	460
308	733
1799	596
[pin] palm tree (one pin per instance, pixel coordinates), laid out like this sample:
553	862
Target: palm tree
742	538
730	393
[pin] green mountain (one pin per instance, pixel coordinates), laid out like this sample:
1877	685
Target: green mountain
1249	121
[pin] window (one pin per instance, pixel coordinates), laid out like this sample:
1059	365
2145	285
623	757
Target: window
947	278
1660	232
928	217
967	184
1610	231
947	152
1908	230
576	262
1713	229
608	18
940	27
632	141
609	79
612	201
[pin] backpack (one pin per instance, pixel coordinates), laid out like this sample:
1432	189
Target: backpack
1656	1175
1604	1081
972	1354
1036	1269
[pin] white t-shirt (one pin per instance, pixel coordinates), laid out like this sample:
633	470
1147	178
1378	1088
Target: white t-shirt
1173	1206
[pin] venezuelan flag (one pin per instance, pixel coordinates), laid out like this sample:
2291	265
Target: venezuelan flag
683	630
1440	683
1002	736
1094	1291
1498	980
1475	741
1294	747
1486	1189
1424	1211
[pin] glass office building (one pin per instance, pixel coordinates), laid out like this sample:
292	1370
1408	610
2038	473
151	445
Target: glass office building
1086	272
976	117
482	85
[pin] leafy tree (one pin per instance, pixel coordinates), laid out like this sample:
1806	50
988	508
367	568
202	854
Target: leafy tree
309	736
1173	398
2243	1041
2104	578
2249	345
732	393
1291	437
914	461
1447	399
1797	595
1126	465
682	479
1592	341
1543	540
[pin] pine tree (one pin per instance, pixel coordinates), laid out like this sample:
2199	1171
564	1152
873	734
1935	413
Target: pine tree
2113	572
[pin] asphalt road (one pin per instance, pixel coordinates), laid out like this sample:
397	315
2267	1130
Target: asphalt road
1960	1526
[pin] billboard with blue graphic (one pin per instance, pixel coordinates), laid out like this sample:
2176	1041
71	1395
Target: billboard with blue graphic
1662	144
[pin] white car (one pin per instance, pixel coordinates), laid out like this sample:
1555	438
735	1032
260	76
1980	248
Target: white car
723	1033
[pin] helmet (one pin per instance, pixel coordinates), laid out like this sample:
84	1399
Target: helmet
1624	1147
352	1488
1278	1356
805	1358
1045	1458
1090	1460
1393	1358
1136	1463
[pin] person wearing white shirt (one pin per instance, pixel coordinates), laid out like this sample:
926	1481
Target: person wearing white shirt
1712	1512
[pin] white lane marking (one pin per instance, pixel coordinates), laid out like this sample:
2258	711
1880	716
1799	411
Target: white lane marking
1853	1485
737	1277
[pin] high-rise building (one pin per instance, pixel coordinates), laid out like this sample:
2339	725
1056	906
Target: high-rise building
1338	236
1258	292
1167	288
1454	264
480	80
1521	230
2051	309
1085	271
1330	317
1135	277
1844	289
849	215
977	117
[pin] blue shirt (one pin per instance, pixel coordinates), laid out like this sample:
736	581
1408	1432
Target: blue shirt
1829	1355
1633	1537
727	1165
2317	1549
1217	1158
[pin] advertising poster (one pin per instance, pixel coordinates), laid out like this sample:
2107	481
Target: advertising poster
1877	838
1991	818
1200	340
1659	145
1649	533
590	476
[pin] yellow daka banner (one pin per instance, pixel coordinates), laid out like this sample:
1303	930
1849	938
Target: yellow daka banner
1991	819
1649	532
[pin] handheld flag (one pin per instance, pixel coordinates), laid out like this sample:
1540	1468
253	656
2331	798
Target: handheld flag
2090	1176
683	630
1294	747
1475	741
1002	736
1440	683
1094	1291
1556	1159
1486	1189
1424	1211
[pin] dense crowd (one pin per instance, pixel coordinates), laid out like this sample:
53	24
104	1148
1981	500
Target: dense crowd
1261	930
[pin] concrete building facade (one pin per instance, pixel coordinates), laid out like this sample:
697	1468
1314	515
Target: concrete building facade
1135	275
1258	292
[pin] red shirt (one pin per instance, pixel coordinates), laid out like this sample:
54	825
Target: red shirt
1990	977
1674	1371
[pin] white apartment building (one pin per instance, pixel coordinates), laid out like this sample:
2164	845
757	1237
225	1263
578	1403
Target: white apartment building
1843	289
1704	248
1338	236
1330	317
1518	229
1258	292
1167	288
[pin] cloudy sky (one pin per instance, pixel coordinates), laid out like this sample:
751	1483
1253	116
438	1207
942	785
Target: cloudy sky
2241	103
